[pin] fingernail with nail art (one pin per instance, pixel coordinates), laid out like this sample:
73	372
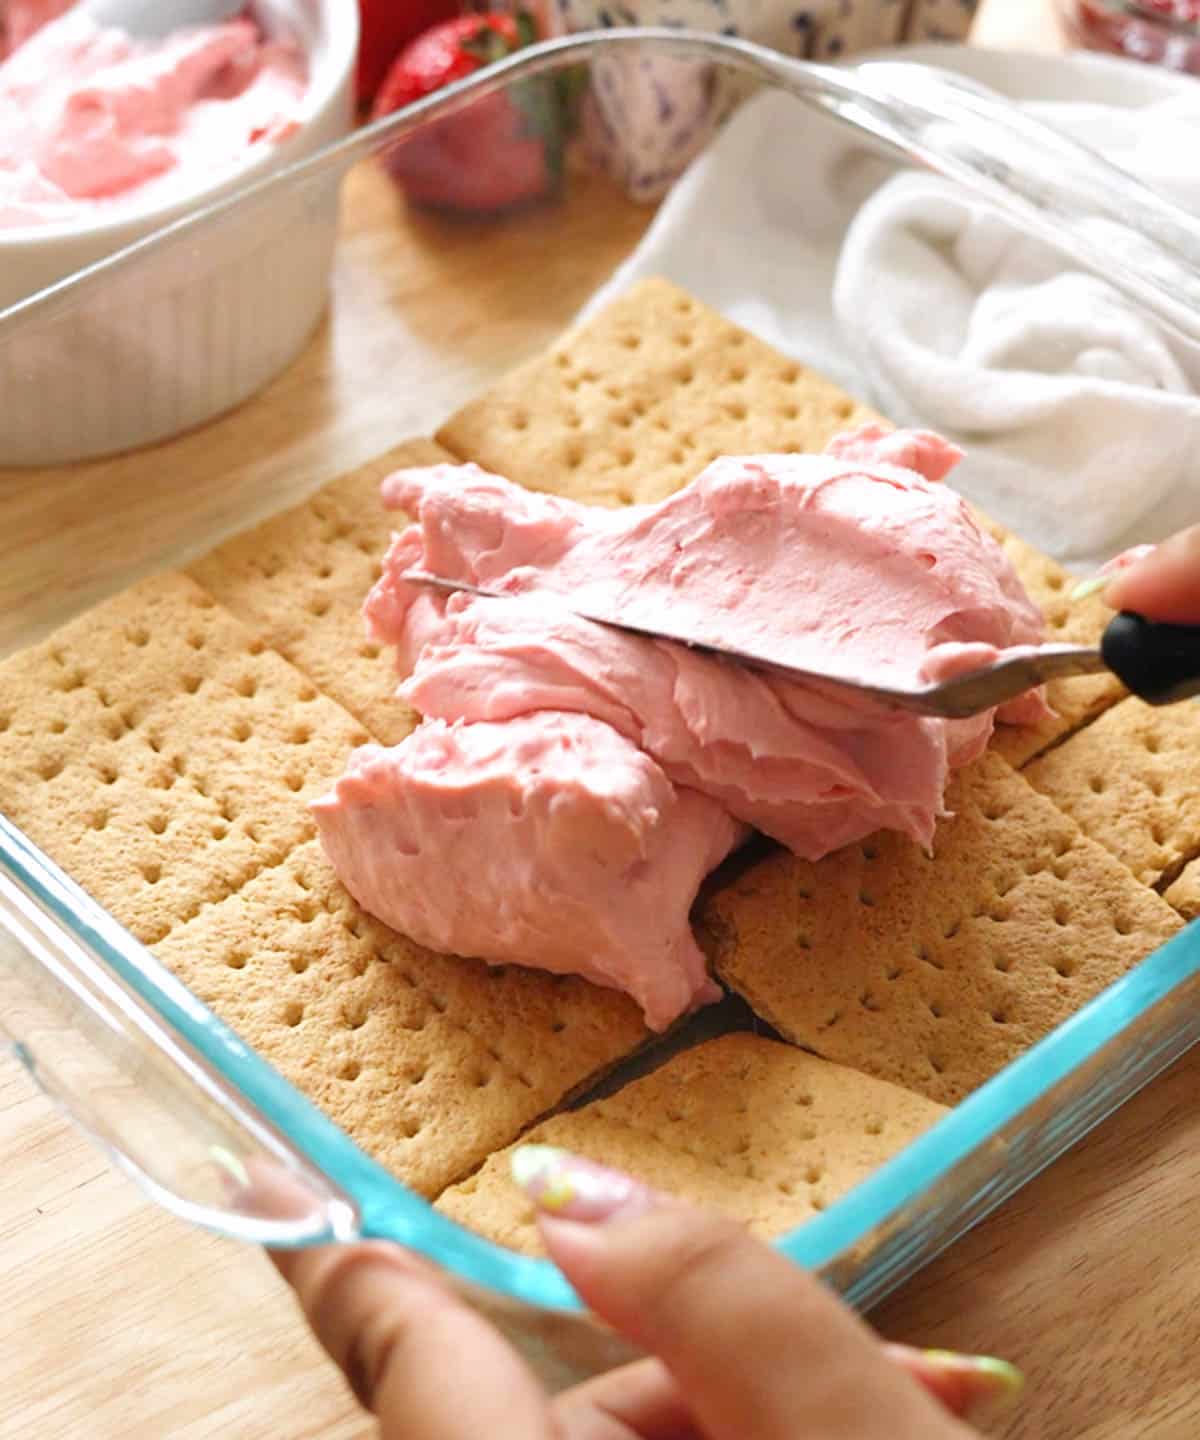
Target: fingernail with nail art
1094	586
233	1170
977	1387
1125	561
570	1187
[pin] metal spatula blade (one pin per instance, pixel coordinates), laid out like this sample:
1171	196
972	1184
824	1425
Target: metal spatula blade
964	695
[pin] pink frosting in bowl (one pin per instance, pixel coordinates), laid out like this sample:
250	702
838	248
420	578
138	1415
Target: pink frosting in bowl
94	123
163	341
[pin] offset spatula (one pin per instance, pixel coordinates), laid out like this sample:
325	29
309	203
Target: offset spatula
1159	663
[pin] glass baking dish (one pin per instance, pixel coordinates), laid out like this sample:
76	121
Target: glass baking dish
215	1134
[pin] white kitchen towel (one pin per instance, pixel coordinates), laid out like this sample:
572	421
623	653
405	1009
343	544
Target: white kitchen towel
1081	419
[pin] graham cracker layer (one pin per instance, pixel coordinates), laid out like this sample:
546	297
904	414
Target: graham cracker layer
1132	782
934	972
429	1061
163	748
633	405
300	580
760	1130
164	756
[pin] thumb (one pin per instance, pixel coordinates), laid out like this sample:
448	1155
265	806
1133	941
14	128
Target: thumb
405	1342
760	1348
1163	585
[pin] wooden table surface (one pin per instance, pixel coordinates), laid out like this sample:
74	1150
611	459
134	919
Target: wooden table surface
119	1321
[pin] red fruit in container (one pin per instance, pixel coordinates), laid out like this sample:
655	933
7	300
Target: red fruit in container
386	27
505	150
1156	32
1187	11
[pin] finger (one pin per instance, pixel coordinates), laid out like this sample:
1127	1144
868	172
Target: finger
639	1400
1163	585
646	1400
426	1364
977	1388
760	1348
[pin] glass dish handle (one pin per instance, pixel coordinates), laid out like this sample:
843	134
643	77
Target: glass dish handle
162	1115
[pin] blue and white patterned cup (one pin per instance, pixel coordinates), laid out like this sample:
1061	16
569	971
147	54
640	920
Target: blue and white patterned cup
646	118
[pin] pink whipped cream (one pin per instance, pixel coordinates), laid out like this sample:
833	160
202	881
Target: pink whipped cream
550	838
857	562
90	118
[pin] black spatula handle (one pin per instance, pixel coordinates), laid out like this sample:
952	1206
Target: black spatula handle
1159	663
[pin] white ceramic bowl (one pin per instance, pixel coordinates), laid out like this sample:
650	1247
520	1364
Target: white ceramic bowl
148	359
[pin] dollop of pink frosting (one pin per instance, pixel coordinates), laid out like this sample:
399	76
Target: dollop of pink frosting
858	563
89	116
550	838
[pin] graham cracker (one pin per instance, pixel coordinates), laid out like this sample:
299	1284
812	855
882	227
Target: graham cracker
1184	895
1077	701
935	971
1131	781
161	754
760	1130
430	1062
300	579
633	404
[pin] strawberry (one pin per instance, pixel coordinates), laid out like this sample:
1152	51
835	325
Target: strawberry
386	27
1152	31
505	150
1186	12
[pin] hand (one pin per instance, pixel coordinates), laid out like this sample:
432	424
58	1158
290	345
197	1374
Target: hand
743	1345
1164	584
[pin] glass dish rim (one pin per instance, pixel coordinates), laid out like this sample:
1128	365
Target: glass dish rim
392	1211
906	108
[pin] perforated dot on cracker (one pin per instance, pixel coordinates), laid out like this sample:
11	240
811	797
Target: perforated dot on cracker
1184	893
